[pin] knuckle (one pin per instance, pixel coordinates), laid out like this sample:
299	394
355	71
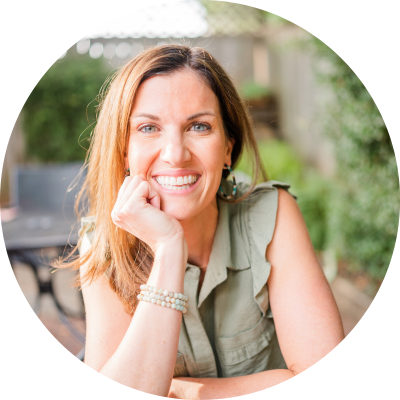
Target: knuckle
125	212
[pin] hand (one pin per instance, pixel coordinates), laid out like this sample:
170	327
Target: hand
184	388
137	211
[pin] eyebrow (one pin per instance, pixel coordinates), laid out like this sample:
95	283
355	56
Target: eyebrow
155	118
145	115
200	114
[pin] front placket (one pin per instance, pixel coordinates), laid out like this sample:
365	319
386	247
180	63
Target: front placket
193	340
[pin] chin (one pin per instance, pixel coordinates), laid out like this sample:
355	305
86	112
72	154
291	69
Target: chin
180	213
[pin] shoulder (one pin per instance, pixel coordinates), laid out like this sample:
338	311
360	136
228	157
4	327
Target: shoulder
86	232
290	230
256	215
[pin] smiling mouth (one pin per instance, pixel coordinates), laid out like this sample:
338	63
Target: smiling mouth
177	182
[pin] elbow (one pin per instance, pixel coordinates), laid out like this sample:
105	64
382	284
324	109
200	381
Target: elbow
295	369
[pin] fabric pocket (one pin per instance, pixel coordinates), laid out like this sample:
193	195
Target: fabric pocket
247	352
180	366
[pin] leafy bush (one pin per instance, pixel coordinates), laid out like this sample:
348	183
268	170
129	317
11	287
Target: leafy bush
60	112
365	205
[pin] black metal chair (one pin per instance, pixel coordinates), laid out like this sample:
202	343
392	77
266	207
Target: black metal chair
45	218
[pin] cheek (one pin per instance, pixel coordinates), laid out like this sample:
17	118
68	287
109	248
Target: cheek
211	154
140	158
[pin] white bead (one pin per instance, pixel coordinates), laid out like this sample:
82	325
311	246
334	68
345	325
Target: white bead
180	296
158	301
153	301
173	306
168	299
176	295
163	303
184	310
165	292
168	305
162	297
178	301
151	288
152	294
172	300
139	297
142	287
157	296
171	294
160	291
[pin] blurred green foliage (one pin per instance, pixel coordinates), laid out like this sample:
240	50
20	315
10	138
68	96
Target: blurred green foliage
60	112
252	90
365	205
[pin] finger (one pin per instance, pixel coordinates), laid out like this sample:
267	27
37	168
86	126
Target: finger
123	187
146	193
133	184
155	201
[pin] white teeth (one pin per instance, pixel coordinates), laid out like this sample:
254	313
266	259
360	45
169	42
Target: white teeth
176	183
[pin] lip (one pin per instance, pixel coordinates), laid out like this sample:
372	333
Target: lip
176	173
176	192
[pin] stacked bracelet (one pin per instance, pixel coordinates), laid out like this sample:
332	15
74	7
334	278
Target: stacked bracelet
164	298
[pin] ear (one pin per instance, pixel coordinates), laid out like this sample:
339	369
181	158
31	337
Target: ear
230	142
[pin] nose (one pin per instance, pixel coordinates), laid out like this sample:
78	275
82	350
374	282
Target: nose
175	151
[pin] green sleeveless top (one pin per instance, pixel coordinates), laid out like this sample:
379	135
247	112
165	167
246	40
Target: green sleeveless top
228	329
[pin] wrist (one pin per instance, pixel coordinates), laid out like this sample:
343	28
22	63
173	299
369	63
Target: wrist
176	246
169	266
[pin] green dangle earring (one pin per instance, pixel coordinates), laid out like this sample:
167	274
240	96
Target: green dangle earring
127	172
221	191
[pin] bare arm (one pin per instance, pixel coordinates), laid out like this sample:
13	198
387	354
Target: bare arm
307	320
139	352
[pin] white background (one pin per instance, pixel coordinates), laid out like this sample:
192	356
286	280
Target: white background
34	34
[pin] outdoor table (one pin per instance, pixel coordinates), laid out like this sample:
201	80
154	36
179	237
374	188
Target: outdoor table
44	218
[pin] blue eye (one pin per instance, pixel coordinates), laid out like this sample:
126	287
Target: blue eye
200	127
148	129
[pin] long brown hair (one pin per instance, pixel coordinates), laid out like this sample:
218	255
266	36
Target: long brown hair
126	260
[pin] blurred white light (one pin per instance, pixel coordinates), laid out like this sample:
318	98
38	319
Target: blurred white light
83	46
123	50
96	50
109	50
174	19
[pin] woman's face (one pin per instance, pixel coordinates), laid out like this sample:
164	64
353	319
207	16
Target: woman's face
177	142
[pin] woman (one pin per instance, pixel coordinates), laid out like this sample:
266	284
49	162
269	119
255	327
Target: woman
259	309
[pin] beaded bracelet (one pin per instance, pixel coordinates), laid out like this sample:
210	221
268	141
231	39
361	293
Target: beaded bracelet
164	298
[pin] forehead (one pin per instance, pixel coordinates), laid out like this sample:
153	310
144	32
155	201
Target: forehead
182	91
